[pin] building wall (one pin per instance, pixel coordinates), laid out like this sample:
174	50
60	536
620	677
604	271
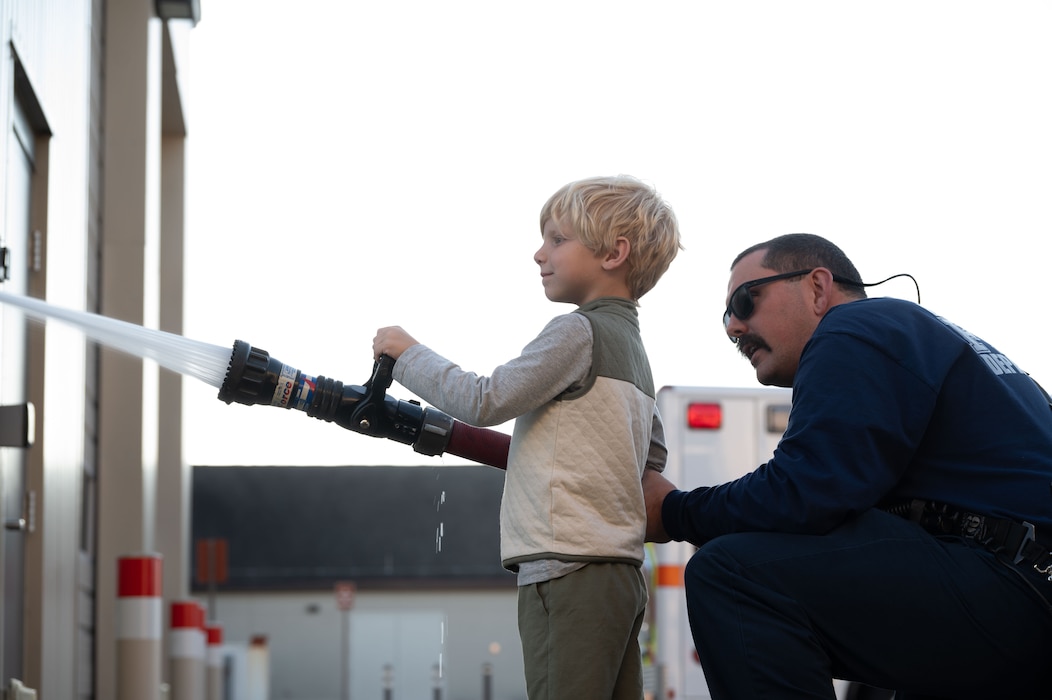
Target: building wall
107	206
50	42
141	281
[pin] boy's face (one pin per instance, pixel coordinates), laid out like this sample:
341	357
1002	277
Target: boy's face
570	272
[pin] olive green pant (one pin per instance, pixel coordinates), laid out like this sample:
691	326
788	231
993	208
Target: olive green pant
580	634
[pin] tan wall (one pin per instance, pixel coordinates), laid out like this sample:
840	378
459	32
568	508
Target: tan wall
108	202
51	40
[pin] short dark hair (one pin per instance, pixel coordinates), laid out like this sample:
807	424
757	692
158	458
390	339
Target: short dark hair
796	251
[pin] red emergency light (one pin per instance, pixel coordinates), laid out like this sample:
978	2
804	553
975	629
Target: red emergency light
704	416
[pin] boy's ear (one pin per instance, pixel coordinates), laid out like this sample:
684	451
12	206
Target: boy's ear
618	254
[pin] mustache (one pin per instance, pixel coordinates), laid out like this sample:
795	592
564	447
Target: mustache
749	343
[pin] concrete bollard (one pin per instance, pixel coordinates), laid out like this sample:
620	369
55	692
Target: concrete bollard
139	627
487	681
186	651
214	662
388	682
436	682
258	662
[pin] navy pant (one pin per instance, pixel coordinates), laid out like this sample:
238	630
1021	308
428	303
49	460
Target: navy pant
878	601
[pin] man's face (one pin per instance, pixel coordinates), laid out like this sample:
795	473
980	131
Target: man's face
774	334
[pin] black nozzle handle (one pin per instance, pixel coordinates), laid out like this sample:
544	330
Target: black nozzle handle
368	415
370	411
383	375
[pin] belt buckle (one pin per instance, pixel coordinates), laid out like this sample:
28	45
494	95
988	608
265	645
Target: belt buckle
1019	556
1028	537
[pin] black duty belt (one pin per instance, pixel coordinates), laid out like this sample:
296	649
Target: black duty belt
1016	540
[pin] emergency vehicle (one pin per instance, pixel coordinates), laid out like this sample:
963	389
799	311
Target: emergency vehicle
713	435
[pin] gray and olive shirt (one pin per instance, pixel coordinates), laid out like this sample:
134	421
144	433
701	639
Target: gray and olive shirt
586	426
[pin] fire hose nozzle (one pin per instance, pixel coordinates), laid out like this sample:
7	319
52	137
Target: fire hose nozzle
254	377
251	377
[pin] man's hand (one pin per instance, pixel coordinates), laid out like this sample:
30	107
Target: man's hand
655	488
391	341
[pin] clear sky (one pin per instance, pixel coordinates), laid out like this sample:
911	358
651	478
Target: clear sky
359	164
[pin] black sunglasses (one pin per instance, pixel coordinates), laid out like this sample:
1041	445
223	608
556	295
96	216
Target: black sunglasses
740	303
741	300
742	307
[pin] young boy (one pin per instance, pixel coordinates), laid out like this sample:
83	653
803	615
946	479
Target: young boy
572	516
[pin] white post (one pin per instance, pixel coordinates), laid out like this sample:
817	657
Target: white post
345	591
258	662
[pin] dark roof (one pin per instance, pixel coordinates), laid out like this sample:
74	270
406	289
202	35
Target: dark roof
295	528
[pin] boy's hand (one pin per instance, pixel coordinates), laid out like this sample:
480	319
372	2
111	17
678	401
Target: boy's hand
391	341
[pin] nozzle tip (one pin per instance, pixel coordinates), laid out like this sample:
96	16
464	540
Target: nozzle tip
235	372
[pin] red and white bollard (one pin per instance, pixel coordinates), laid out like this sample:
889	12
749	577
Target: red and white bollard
139	627
214	662
186	651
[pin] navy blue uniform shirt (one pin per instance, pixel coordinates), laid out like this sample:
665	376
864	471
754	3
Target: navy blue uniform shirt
889	402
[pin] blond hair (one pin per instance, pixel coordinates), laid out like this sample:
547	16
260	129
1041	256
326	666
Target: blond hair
602	209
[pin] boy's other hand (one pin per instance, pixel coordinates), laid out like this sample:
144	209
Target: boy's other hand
391	341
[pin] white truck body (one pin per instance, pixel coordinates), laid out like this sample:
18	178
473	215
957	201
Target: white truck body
714	435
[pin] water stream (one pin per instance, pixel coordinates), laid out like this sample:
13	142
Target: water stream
204	361
193	358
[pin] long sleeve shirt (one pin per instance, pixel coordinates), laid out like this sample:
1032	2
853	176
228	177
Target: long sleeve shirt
890	402
586	426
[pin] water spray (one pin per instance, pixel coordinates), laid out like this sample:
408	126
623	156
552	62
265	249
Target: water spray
253	377
169	350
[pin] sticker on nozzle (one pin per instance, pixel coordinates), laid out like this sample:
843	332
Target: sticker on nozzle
305	392
283	393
